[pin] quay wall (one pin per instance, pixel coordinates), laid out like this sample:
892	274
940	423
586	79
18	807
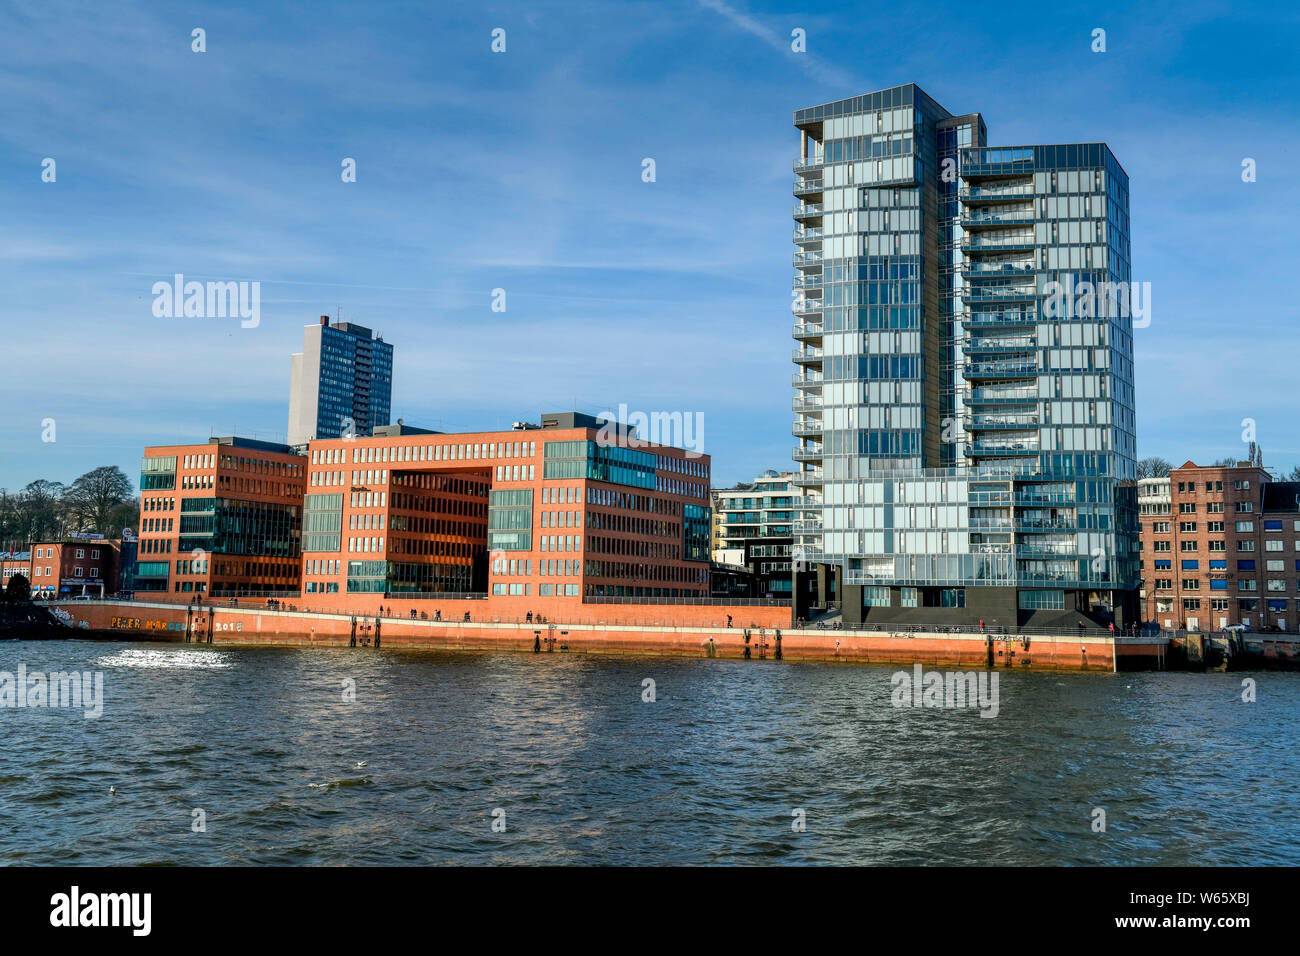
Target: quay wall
654	630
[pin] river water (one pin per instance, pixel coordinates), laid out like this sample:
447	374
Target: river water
566	753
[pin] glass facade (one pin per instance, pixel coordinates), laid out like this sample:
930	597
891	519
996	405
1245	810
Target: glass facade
964	362
356	380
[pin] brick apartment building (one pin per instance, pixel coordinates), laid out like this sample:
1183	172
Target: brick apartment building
69	567
1220	546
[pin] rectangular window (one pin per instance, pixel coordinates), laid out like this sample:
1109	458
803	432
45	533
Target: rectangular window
875	597
1042	600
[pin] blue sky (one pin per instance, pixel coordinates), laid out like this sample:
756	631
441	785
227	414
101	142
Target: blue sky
522	171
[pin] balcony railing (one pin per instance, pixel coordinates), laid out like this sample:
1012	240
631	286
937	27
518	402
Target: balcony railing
979	270
807	355
812	476
980	243
802	186
1007	344
1002	219
990	320
994	193
807	453
807	282
1058	498
807	162
1009	449
998	294
1009	422
803	260
808	235
999	369
976	396
1036	526
807	330
807	428
807	381
807	210
808	525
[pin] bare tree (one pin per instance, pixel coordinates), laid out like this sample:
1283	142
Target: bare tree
1153	467
95	499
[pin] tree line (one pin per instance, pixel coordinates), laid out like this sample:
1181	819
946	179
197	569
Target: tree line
1157	467
102	500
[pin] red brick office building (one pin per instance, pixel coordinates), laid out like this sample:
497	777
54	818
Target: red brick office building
549	516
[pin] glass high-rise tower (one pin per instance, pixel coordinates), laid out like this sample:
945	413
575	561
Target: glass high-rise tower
341	383
963	406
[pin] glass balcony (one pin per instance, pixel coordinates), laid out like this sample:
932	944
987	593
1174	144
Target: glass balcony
806	504
806	453
808	308
804	186
999	370
1007	344
808	283
812	476
807	525
979	396
807	402
976	269
1045	498
802	163
993	221
995	193
995	244
1000	422
808	211
808	331
807	381
807	235
1047	550
807	356
998	294
999	319
808	260
1031	527
1009	450
811	427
